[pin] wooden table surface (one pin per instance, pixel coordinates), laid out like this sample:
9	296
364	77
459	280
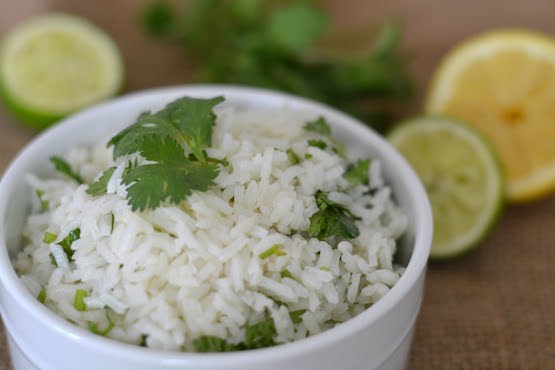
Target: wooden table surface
493	309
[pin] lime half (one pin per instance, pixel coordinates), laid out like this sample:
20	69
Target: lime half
462	176
55	64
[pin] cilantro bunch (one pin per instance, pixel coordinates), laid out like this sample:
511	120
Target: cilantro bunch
277	44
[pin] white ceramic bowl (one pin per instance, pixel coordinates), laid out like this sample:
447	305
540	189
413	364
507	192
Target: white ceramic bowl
378	338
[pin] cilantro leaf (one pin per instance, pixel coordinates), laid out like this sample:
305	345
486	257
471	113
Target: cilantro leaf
44	204
296	316
187	120
173	176
79	302
318	143
66	242
292	156
357	173
273	250
99	186
296	27
319	126
62	166
261	334
332	219
41	297
209	343
95	330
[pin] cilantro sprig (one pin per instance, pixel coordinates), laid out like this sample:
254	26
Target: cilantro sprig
172	140
332	219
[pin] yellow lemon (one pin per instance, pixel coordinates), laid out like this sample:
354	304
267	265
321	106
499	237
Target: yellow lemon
503	83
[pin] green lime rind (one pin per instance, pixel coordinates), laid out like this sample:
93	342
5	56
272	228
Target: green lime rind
31	118
56	64
427	129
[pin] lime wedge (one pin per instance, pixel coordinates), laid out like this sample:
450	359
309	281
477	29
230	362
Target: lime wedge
55	64
462	176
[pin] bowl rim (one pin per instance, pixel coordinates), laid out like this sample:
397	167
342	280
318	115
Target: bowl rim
417	263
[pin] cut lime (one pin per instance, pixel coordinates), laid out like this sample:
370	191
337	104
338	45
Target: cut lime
462	176
56	64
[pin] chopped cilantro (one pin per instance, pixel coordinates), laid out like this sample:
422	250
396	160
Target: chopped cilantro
41	297
324	268
99	186
94	329
44	204
67	242
274	249
296	316
53	259
62	166
339	149
79	302
287	274
113	219
319	126
357	173
317	143
144	338
332	219
257	335
261	334
209	343
307	155
49	238
292	156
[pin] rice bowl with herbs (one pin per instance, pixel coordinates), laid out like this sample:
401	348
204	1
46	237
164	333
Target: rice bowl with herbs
271	231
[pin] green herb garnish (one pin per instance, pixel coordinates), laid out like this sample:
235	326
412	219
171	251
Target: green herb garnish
53	259
67	242
261	334
296	316
99	186
357	173
319	126
144	338
112	221
44	204
210	343
79	302
273	250
49	238
94	329
279	45
41	297
163	137
62	166
318	143
332	219
292	156
287	274
307	155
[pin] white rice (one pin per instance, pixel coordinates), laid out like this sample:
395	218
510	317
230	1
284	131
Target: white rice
176	273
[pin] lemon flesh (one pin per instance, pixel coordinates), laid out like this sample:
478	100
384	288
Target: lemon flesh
503	83
56	64
462	177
